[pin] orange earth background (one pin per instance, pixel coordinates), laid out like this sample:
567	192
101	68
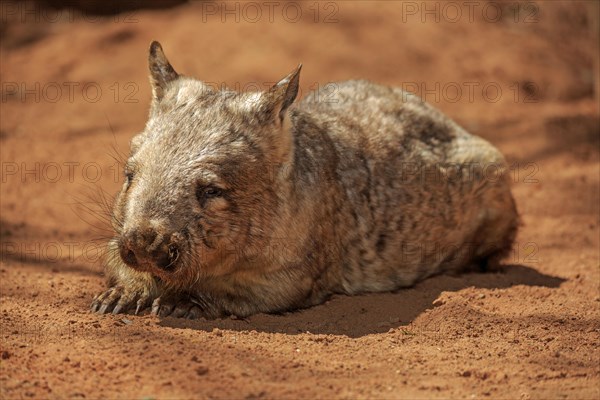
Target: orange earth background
523	75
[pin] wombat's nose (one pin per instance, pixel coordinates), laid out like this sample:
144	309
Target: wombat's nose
146	245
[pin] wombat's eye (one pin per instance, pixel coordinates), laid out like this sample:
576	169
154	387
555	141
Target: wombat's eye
128	178
212	192
204	193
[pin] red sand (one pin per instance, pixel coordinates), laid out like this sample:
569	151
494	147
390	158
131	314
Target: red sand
530	332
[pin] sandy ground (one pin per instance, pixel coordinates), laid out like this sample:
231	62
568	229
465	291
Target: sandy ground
522	75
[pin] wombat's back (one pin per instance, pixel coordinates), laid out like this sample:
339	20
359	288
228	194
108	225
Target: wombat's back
424	195
388	119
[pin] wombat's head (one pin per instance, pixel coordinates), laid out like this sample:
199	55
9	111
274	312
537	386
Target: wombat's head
201	183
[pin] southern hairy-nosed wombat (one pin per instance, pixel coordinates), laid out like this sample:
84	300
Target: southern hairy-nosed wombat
240	203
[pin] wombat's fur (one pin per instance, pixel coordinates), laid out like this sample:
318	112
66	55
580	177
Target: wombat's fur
239	203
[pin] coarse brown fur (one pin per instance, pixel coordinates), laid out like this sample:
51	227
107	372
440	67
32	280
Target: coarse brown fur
240	203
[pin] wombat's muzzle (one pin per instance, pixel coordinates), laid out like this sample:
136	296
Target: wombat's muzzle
142	246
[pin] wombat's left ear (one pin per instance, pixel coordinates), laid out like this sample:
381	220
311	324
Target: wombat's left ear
161	71
284	92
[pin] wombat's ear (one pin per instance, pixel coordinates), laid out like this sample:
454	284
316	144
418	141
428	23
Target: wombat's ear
284	92
161	71
278	99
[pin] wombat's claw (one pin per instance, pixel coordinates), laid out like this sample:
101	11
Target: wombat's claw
176	309
123	298
105	300
141	304
155	306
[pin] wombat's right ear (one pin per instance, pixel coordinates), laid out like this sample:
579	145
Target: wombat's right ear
161	71
284	92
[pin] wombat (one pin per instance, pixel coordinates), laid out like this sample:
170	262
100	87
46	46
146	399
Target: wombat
241	203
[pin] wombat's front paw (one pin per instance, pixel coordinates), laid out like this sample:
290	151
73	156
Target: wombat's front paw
178	308
120	299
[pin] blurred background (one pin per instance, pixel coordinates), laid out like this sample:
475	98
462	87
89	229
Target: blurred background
74	90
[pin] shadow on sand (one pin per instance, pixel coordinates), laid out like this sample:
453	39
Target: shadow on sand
356	316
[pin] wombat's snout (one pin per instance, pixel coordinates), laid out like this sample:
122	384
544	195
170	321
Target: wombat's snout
147	245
